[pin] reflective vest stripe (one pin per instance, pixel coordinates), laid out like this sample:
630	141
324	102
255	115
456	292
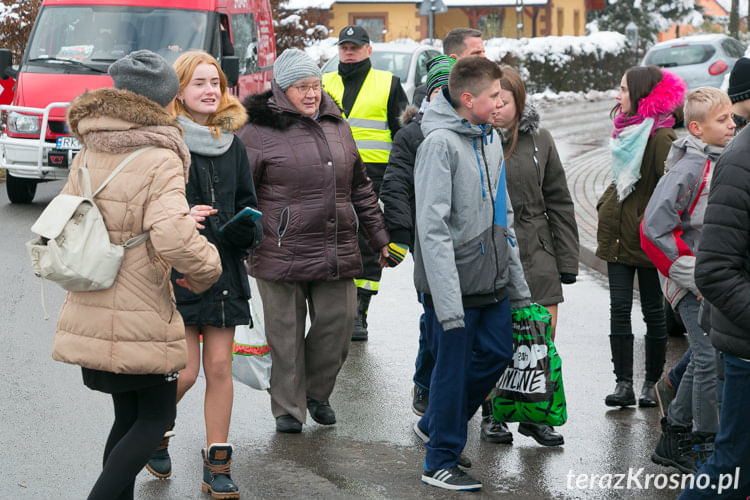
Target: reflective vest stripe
365	123
385	146
369	114
367	284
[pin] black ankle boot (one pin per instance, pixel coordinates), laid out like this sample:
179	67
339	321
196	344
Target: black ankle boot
648	395
360	322
623	395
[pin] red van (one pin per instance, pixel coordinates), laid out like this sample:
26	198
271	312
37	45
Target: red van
72	44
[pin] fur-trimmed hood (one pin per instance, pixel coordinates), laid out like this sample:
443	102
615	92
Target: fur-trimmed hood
232	117
118	121
274	110
409	114
665	97
529	122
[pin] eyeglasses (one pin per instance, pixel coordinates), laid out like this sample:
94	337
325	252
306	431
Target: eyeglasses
305	88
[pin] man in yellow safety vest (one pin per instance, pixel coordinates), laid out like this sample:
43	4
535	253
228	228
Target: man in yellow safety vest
372	101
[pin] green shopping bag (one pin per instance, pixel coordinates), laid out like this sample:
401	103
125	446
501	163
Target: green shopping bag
531	388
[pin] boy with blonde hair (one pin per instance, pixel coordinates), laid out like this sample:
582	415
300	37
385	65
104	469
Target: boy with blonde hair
670	232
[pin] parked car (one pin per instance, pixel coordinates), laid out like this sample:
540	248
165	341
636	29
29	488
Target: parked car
700	60
408	62
72	44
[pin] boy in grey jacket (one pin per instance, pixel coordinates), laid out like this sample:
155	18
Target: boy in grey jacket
670	232
467	266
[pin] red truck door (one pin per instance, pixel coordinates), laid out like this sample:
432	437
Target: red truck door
251	29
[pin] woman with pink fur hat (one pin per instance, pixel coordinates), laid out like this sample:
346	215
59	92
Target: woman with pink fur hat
642	136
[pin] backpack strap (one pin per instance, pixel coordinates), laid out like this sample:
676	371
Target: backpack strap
84	179
136	240
84	187
119	167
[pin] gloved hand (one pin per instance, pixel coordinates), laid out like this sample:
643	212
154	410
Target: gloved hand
520	303
396	253
567	278
240	233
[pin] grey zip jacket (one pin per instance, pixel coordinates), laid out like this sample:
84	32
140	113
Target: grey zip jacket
465	252
673	220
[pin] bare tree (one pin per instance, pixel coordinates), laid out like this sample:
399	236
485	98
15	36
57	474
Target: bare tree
16	23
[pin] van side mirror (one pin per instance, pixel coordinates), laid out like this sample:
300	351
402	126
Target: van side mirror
230	65
6	64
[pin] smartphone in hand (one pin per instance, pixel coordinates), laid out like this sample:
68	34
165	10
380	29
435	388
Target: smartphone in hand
245	213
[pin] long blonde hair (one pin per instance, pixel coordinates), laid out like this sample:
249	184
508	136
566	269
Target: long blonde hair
185	67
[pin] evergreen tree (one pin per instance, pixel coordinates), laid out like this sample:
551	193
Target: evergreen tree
651	16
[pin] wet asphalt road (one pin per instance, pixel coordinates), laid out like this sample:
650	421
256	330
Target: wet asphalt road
53	429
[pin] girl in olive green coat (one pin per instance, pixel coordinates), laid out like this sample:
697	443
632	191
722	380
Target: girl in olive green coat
544	219
642	136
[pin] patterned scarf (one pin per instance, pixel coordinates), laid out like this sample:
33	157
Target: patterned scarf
628	144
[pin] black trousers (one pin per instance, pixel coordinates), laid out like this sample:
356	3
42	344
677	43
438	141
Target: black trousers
141	418
371	270
621	277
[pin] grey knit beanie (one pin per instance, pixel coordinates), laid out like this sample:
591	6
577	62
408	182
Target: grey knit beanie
147	74
293	65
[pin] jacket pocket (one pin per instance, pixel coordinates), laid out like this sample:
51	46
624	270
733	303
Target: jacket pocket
283	224
503	242
475	263
356	219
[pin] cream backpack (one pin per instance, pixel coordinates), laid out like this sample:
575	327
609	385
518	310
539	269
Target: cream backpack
73	248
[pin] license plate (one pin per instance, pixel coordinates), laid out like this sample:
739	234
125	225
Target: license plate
68	143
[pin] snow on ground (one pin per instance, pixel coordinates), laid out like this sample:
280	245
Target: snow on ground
549	97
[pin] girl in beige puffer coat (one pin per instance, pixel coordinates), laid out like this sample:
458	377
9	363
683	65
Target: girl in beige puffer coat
130	339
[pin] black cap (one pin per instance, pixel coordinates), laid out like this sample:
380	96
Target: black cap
355	34
739	81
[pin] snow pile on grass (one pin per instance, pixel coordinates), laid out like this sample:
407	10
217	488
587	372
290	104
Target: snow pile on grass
557	50
594	62
548	97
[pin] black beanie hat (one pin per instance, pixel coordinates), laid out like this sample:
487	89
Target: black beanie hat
739	81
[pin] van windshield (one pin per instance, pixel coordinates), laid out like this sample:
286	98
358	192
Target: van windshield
99	35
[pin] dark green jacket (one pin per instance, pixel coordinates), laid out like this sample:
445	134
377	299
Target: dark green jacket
618	236
544	215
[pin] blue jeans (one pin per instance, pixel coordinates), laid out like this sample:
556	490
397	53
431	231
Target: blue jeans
468	363
732	445
696	396
676	373
425	362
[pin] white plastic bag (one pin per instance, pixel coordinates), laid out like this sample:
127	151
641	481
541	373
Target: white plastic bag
251	360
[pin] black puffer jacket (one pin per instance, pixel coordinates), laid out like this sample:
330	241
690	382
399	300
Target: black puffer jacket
722	267
224	182
397	191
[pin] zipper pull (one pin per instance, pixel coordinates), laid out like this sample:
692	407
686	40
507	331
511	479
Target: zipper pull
279	245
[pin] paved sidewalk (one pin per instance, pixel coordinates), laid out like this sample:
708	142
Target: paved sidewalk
581	132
